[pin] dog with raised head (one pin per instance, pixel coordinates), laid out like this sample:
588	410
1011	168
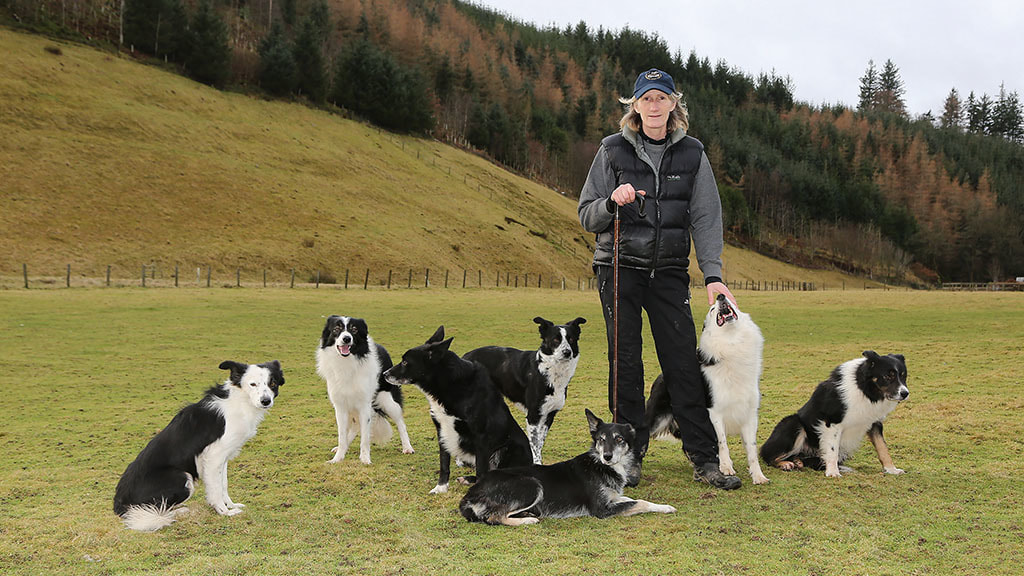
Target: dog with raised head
730	355
535	381
590	484
473	422
353	364
853	402
197	445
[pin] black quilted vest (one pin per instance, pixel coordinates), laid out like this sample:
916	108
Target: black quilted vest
662	239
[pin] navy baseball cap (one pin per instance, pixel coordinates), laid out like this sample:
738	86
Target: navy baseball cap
653	79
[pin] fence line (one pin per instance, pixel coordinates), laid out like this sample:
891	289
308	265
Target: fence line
252	278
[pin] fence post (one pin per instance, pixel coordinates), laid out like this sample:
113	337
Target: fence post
426	279
24	272
176	276
445	277
209	270
264	277
346	278
69	276
464	273
366	281
480	278
108	275
318	278
293	278
389	279
143	275
410	278
238	277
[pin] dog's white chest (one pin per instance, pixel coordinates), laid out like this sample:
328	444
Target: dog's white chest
448	435
352	380
558	373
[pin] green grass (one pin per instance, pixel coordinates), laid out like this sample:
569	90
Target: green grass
89	375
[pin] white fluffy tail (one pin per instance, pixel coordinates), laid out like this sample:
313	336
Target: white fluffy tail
380	429
150	517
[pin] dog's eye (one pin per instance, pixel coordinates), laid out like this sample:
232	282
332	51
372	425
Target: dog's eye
620	440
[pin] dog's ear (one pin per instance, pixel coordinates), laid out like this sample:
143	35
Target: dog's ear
578	321
872	356
544	324
593	421
328	325
900	358
438	335
438	349
276	374
237	369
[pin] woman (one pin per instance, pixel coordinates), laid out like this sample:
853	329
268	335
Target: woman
653	157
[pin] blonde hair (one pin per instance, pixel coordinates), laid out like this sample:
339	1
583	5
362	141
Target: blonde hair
678	118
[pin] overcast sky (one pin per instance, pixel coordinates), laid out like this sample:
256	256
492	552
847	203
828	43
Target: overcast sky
824	46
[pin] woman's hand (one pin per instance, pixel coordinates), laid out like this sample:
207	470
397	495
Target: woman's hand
719	288
625	194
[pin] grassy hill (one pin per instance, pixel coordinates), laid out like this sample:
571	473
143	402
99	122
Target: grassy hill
105	161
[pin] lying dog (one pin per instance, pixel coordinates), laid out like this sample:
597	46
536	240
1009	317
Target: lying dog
590	484
730	363
852	402
352	364
472	420
197	444
535	381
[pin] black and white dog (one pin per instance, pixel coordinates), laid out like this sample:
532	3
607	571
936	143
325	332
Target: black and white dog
197	444
852	402
473	422
590	484
353	364
535	380
730	355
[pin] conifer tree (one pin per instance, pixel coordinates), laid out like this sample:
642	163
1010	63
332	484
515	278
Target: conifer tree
1007	115
890	90
277	64
209	59
309	62
952	111
868	87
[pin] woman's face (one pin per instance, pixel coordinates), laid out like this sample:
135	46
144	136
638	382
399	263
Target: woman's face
654	108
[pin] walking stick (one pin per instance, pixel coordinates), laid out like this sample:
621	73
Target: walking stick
615	308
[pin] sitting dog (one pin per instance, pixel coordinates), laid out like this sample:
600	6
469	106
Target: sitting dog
352	364
730	363
472	420
535	380
197	444
852	402
590	484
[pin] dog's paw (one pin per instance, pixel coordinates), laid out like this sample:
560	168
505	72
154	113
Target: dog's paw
833	473
232	512
235	505
365	459
440	489
894	471
759	478
528	520
789	466
725	467
845	469
408	450
663	508
336	459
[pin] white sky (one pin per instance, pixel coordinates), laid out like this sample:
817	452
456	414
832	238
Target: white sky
824	46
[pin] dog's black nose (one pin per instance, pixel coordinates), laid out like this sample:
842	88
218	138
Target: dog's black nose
266	401
567	353
904	393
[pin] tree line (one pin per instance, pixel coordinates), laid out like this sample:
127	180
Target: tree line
867	189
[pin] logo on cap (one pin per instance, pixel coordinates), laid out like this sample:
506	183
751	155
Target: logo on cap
653	75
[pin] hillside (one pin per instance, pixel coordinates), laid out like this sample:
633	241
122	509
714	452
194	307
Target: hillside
105	161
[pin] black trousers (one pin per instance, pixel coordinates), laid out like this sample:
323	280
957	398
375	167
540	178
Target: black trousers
665	296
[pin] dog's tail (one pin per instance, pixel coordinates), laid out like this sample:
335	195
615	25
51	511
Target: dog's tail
782	441
380	429
150	517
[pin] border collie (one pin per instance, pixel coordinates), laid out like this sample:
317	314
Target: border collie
473	422
535	380
352	364
197	444
851	403
590	484
730	353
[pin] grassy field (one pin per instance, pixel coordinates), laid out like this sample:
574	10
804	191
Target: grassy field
89	375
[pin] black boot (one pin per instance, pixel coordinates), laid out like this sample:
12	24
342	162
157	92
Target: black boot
708	472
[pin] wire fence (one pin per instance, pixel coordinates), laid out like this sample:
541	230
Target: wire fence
155	276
